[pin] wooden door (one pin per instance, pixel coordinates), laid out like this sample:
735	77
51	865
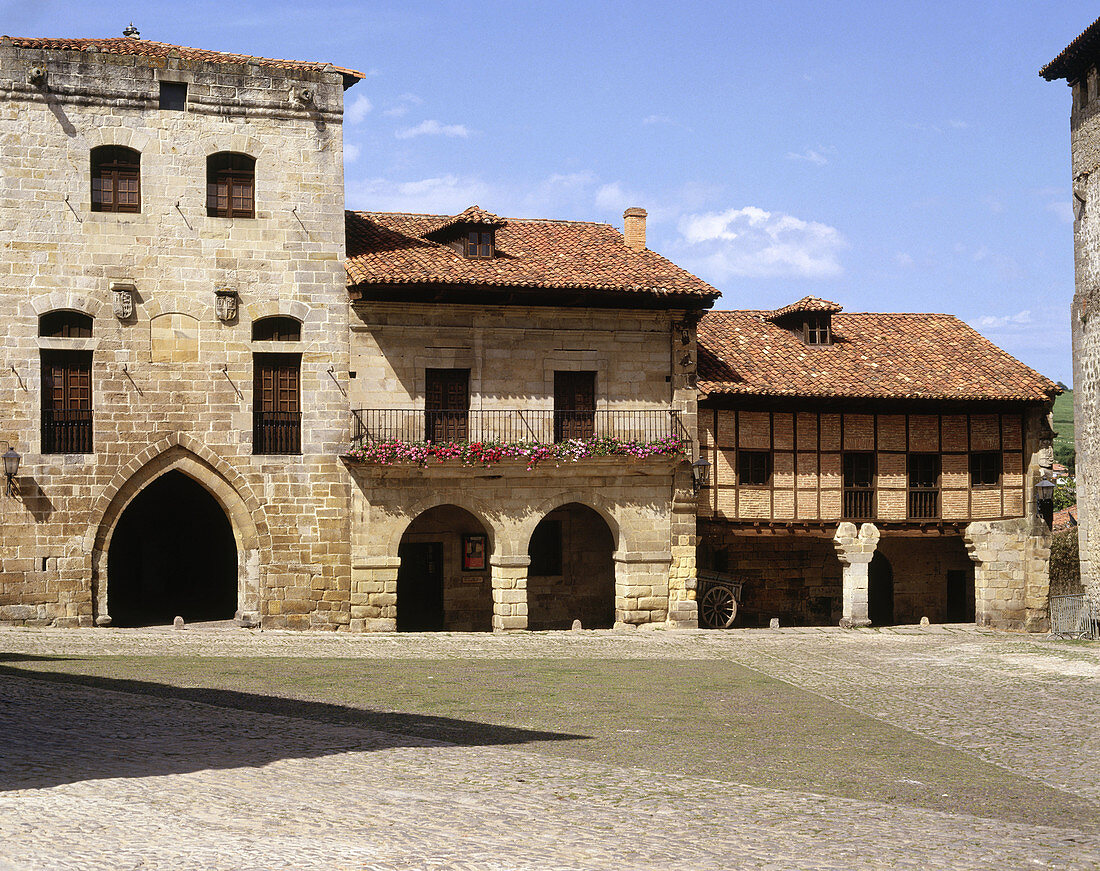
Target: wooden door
277	402
574	405
446	405
66	402
420	587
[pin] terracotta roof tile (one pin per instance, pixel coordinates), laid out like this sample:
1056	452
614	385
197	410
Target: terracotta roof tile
807	304
473	215
147	48
1080	53
879	356
387	248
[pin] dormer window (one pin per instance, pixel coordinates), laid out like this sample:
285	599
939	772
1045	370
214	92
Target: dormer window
816	330
479	243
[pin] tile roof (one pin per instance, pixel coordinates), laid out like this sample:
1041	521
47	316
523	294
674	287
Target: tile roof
147	48
1083	51
473	215
386	248
807	304
874	356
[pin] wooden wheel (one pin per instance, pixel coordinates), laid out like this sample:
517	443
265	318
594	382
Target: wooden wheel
718	608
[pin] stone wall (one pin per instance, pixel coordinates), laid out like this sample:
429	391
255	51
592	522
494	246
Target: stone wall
171	383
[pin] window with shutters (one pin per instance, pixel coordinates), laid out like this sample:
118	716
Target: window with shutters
924	486
446	405
479	244
859	486
277	414
230	185
574	405
116	179
66	402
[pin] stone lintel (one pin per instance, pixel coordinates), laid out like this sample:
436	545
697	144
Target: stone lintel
377	562
652	556
510	562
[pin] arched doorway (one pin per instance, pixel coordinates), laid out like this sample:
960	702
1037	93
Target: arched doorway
443	583
572	574
172	553
880	591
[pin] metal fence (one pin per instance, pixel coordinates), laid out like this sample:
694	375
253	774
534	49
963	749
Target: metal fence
1074	617
538	426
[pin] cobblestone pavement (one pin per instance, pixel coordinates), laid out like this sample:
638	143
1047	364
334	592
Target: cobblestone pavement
93	778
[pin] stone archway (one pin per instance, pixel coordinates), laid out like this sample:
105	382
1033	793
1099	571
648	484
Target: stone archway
572	571
223	485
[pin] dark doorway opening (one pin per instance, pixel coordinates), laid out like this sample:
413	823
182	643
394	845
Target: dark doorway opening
960	596
172	554
880	591
420	587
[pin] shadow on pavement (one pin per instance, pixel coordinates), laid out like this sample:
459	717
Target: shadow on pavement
62	728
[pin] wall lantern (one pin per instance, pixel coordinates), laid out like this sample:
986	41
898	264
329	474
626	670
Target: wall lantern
1044	490
11	467
225	304
122	300
700	473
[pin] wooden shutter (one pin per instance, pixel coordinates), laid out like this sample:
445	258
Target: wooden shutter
447	404
66	402
277	417
574	405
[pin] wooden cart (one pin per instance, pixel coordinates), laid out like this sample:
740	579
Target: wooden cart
718	595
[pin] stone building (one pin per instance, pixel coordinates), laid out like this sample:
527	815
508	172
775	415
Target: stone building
175	360
871	468
1079	66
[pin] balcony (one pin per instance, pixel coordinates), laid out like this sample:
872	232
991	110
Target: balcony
859	503
66	431
924	504
511	426
276	432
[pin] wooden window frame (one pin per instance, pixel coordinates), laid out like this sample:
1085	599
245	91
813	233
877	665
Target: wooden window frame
65	324
446	406
277	408
277	328
237	172
113	168
574	404
67	414
923	498
980	470
817	330
853	493
480	244
754	468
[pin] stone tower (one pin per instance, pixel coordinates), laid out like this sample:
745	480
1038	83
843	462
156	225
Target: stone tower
171	235
1077	65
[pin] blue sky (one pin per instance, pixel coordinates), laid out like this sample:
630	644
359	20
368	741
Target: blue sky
889	156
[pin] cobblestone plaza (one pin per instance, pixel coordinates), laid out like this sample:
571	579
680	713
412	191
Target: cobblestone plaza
934	748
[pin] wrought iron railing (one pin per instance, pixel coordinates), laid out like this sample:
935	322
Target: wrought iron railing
924	504
512	426
66	431
276	432
859	503
1074	617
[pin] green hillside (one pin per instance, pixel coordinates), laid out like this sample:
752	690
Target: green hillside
1063	425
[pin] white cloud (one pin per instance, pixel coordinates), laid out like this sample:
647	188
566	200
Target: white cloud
657	119
1063	210
904	260
351	152
810	155
433	128
1022	318
443	195
357	111
401	105
614	197
751	242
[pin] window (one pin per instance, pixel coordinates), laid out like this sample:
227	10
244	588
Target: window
230	185
276	329
66	402
446	405
173	96
816	330
754	468
574	405
985	469
859	484
545	549
479	243
277	409
116	179
924	486
65	325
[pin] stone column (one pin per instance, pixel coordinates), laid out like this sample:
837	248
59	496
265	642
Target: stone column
374	594
509	574
855	551
683	609
641	587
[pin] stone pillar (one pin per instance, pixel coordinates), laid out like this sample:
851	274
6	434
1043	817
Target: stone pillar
374	594
683	609
1011	573
641	588
855	551
509	574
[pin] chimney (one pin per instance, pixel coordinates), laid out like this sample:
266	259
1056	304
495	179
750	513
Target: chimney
634	228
